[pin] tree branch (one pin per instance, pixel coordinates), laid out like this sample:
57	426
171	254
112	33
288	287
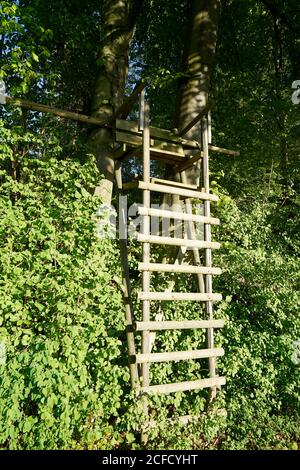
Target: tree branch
275	12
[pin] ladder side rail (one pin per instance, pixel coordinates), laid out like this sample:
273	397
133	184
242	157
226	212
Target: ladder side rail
134	377
208	256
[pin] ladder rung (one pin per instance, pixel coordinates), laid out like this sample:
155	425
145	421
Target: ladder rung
161	188
176	241
177	184
179	296
177	325
178	268
178	355
185	386
178	215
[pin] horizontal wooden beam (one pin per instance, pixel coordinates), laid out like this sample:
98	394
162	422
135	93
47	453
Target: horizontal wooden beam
177	355
232	153
157	240
161	188
186	296
178	215
185	386
121	124
43	108
178	268
177	325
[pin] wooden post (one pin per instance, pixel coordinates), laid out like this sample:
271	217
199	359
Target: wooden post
208	257
126	282
191	226
144	126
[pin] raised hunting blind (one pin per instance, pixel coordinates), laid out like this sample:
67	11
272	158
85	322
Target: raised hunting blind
140	140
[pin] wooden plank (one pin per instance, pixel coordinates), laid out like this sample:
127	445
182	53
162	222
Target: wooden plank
178	215
193	235
156	239
43	108
178	268
158	149
146	232
185	386
156	133
126	286
159	134
177	355
231	153
161	188
174	183
194	121
177	325
186	296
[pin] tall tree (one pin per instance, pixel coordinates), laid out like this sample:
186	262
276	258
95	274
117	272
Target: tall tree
198	64
119	19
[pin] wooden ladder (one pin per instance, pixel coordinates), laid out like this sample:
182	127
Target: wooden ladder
140	361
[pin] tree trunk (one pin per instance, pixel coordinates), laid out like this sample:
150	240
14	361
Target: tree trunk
198	63
119	18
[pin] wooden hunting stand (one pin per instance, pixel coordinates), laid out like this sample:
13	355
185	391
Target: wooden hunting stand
138	139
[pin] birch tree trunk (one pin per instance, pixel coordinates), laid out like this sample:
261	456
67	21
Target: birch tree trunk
119	19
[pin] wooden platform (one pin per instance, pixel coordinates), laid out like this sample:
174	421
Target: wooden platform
165	145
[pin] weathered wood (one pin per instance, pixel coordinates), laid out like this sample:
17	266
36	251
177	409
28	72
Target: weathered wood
43	108
158	149
178	268
185	386
146	231
178	215
126	287
186	296
177	325
208	254
231	153
190	162
177	241
177	355
174	183
156	133
194	121
159	134
192	234
161	188
126	107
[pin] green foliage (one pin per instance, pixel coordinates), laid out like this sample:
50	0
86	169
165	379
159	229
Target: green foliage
64	380
61	314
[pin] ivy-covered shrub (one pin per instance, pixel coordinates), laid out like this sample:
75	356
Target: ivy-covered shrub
62	371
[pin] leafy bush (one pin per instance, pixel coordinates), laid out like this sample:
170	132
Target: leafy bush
63	359
61	310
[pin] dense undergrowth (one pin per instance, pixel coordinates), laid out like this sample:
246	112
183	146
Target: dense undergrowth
64	379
